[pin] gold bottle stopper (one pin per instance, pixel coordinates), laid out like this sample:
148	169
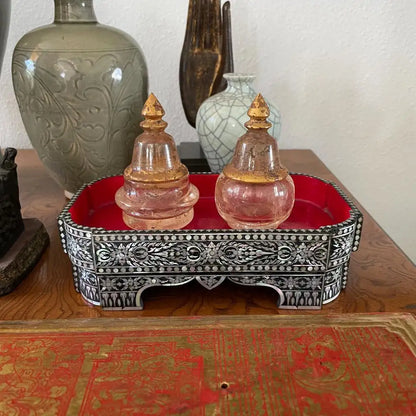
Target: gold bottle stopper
153	112
258	112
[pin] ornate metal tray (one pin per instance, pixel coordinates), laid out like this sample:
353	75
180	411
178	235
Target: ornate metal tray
305	261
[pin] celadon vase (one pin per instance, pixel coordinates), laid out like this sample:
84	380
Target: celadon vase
80	86
220	119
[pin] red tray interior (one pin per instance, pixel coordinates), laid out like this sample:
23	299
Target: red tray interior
317	204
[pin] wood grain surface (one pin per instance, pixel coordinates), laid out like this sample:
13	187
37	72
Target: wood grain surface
381	277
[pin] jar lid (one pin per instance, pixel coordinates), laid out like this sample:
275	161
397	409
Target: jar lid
256	155
155	156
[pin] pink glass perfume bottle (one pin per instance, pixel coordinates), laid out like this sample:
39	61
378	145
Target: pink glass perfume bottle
255	190
157	193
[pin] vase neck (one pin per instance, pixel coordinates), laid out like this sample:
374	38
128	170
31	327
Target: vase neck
241	83
74	11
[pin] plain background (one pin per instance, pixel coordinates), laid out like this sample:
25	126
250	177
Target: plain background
342	73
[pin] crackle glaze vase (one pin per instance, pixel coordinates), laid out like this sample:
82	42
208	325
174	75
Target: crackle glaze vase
80	86
220	119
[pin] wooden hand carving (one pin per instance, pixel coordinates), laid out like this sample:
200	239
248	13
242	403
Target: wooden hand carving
206	54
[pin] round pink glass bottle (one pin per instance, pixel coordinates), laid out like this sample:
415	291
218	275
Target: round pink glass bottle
156	193
255	190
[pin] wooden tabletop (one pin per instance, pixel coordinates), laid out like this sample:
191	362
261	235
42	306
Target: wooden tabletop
381	277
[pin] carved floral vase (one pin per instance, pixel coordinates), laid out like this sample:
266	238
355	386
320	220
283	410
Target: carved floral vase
4	27
220	119
80	87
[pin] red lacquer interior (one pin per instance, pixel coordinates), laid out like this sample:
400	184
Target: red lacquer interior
317	204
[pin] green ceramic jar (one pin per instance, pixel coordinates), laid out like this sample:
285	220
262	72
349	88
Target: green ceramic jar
80	87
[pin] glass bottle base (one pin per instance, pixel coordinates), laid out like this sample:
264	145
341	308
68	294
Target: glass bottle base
172	223
251	205
245	225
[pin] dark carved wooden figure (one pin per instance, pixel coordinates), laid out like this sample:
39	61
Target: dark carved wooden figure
22	241
11	222
206	54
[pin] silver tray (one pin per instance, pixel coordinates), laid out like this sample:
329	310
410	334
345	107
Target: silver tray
307	267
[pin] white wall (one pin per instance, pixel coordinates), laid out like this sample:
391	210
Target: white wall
343	74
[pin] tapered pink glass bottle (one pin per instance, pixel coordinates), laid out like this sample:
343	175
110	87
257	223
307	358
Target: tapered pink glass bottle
156	193
254	190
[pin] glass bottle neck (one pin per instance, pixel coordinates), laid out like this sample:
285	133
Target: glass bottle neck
74	11
239	83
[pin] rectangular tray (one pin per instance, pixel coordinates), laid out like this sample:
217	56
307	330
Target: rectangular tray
305	261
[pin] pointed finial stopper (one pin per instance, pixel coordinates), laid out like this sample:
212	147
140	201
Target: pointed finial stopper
153	113
258	113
